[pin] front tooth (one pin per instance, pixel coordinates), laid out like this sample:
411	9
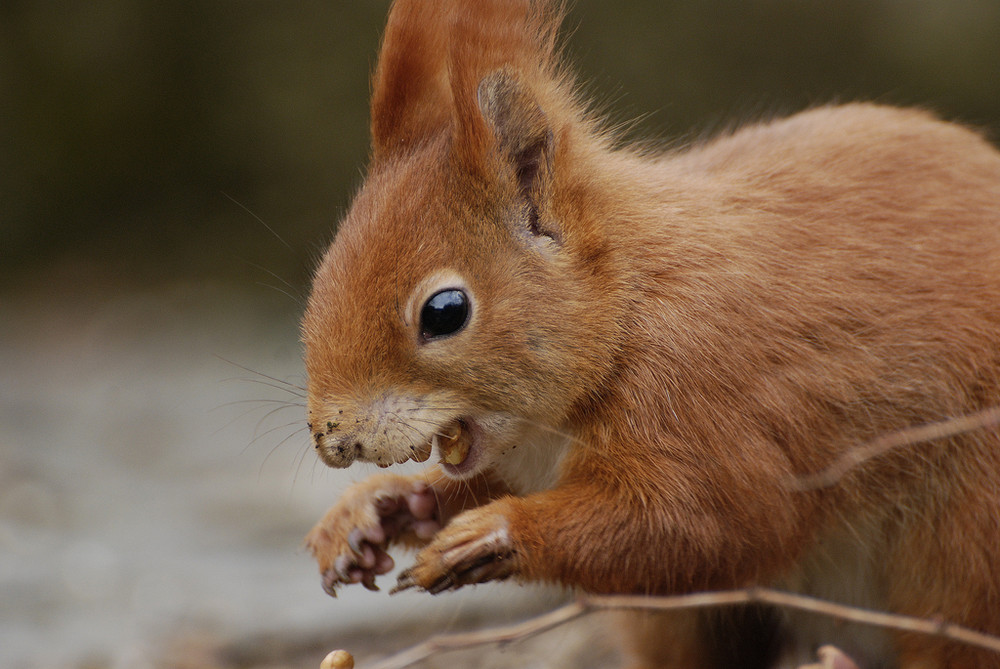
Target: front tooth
455	448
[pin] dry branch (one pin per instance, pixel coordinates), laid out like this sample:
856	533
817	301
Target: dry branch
519	631
906	437
587	604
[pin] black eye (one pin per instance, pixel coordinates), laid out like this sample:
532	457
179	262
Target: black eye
444	313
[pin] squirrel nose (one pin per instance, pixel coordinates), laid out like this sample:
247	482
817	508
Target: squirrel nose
336	449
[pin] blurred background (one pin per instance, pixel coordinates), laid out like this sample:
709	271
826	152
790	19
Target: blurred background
169	175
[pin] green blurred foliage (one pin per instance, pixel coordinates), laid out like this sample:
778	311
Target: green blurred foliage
136	136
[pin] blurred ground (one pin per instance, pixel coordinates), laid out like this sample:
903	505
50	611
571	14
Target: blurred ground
151	510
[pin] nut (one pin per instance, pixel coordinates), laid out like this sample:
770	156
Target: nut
455	447
338	659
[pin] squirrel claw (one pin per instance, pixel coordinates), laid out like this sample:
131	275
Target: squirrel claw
330	580
473	548
404	581
351	542
445	583
368	580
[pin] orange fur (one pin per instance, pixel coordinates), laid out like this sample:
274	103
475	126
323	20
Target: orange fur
659	345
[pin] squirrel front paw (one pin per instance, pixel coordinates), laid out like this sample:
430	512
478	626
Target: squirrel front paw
474	547
350	543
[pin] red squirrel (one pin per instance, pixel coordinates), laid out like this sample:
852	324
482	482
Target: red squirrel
623	360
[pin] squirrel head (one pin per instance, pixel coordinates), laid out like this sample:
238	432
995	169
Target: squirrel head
469	286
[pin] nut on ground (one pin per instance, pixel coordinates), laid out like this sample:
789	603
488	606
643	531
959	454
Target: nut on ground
338	659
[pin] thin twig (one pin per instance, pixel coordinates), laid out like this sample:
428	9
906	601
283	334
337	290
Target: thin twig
449	642
587	604
906	437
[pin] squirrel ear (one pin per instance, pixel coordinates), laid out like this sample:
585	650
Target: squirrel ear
523	137
410	95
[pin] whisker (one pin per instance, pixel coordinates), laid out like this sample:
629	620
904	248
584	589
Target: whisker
316	463
295	294
425	421
548	428
276	276
285	403
298	465
433	407
402	422
259	219
300	301
260	471
262	374
272	430
274	411
291	390
246	413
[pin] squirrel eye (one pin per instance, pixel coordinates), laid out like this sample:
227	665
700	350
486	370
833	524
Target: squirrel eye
445	313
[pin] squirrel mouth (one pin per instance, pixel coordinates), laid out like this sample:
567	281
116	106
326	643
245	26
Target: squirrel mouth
456	447
455	444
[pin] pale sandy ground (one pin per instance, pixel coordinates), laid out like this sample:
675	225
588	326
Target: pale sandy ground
151	511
